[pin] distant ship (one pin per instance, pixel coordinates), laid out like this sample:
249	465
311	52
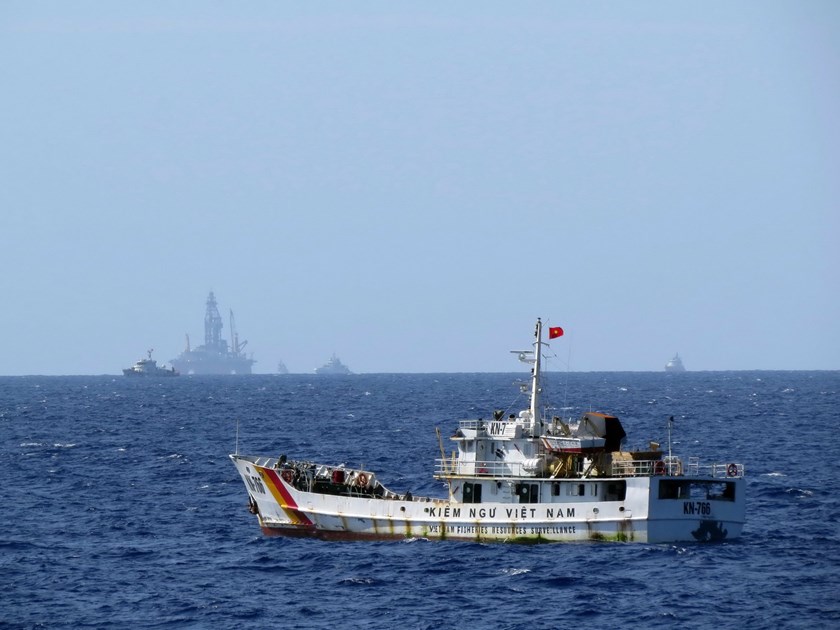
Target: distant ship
333	366
675	364
281	368
148	367
215	357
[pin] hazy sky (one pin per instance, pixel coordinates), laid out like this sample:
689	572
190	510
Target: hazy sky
410	185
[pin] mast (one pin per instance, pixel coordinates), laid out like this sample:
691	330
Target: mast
535	378
234	338
213	325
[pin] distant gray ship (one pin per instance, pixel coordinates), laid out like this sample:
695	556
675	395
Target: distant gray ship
333	366
675	364
214	357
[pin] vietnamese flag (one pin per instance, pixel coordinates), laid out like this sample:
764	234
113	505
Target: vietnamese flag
555	332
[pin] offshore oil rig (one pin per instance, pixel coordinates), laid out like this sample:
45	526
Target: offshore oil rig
214	357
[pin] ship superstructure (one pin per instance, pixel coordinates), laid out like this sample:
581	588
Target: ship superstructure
675	364
215	356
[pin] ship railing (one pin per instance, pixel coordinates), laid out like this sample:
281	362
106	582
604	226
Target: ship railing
675	467
265	462
716	470
450	467
634	468
668	466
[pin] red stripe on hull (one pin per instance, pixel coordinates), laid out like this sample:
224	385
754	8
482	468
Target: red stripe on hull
288	503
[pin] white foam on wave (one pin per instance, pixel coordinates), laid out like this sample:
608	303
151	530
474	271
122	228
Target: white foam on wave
360	581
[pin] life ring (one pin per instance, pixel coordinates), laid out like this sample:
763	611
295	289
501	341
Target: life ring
732	470
659	468
287	475
362	480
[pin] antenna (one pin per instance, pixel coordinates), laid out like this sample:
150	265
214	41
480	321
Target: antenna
536	415
568	371
670	424
236	446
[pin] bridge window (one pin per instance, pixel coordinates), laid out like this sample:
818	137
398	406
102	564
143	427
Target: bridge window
472	492
616	491
697	490
528	492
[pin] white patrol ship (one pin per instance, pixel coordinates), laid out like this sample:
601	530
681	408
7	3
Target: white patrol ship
148	367
521	478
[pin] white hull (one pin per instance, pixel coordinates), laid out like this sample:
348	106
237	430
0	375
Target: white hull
640	517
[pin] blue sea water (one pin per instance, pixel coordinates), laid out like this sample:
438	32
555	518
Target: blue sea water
120	507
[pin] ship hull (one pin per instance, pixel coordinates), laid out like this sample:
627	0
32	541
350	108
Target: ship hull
206	365
642	516
144	374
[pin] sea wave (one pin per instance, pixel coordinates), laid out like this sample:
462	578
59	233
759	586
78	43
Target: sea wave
127	511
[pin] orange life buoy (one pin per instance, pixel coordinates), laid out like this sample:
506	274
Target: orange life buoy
732	470
659	468
362	479
287	476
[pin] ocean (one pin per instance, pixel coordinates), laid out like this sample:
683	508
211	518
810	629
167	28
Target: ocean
120	507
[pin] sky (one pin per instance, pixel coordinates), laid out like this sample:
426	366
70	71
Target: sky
411	185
